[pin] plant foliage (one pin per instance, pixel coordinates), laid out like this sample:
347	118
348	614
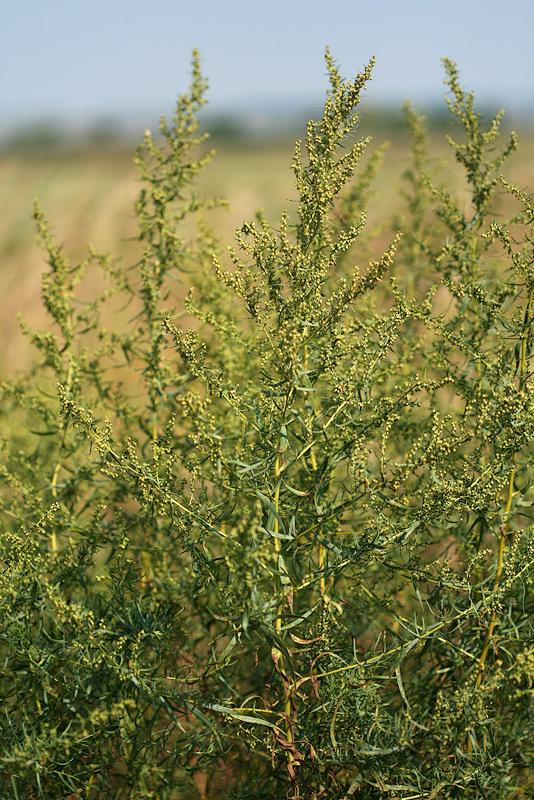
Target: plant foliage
269	534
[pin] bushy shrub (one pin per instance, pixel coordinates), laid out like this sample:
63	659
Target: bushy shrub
269	535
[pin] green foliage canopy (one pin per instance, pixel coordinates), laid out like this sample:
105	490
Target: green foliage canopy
271	535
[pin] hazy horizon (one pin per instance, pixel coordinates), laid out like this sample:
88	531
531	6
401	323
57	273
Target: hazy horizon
84	64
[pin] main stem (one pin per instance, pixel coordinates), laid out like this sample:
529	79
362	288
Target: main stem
278	623
59	464
500	566
313	459
510	493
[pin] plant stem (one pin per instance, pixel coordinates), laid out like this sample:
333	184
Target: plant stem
62	434
278	655
504	527
500	567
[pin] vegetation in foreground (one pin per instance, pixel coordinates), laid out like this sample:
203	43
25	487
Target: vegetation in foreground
274	538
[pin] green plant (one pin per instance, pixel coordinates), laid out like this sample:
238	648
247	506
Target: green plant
271	536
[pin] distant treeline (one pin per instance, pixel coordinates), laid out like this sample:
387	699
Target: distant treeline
270	124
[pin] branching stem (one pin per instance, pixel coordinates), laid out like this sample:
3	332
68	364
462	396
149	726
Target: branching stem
503	533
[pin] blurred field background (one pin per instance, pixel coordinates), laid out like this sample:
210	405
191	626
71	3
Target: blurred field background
76	79
87	189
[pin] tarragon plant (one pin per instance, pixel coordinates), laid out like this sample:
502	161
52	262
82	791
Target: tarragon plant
266	523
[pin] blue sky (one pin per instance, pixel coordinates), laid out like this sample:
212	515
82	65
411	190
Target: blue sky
84	60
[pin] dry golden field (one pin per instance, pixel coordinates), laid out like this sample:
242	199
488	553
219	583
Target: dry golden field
88	196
